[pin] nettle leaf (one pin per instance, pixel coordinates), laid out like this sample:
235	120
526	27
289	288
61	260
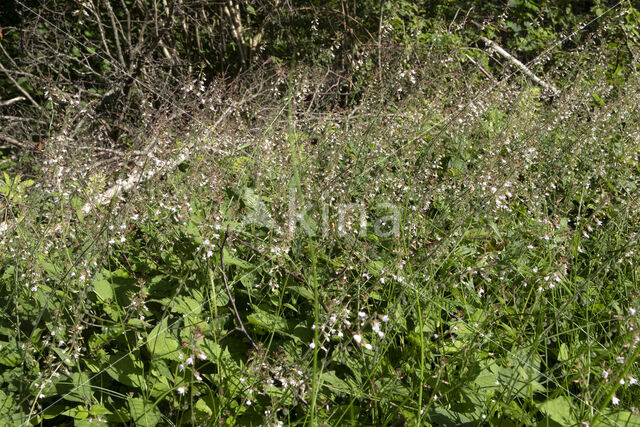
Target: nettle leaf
143	412
185	305
9	354
125	369
161	342
205	406
559	410
232	260
267	321
7	403
446	417
103	288
302	291
75	387
79	412
334	383
620	418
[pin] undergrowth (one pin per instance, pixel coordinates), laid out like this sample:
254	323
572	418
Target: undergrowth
493	279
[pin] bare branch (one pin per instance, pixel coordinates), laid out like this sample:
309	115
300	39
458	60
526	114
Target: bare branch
15	83
12	101
521	66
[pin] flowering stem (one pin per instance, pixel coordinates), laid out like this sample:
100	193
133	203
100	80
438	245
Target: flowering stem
612	392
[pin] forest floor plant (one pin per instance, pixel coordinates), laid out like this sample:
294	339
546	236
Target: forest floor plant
453	250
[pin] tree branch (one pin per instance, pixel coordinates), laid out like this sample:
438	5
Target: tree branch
521	66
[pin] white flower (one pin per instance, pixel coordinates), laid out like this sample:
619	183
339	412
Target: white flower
615	401
633	381
189	361
357	338
202	356
604	374
368	346
181	390
312	345
385	318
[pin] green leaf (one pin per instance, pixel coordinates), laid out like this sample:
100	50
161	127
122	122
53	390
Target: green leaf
563	354
123	368
559	410
161	343
80	412
186	305
334	382
620	418
103	288
302	291
268	321
375	268
75	387
7	403
231	260
144	413
9	354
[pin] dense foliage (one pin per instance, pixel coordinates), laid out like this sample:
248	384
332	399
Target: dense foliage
325	213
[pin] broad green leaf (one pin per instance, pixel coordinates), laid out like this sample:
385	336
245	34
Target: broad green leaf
559	410
302	291
143	412
9	354
161	343
232	260
334	383
186	305
123	368
75	387
79	412
268	321
103	288
620	418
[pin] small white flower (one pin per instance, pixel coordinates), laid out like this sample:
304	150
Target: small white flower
368	346
385	318
312	345
357	338
181	390
189	361
633	381
604	374
202	356
181	367
615	401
